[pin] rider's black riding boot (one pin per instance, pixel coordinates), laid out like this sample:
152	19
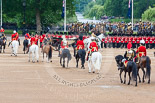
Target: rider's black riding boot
74	52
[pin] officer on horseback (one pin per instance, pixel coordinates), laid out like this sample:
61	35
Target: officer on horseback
63	45
80	43
129	54
93	47
141	51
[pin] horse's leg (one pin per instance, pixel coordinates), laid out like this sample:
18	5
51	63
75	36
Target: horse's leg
120	76
67	62
138	76
37	55
24	49
143	74
129	78
4	48
32	56
0	48
63	62
77	61
125	78
29	56
89	65
43	57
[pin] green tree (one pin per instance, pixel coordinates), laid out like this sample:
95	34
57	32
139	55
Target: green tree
38	12
149	15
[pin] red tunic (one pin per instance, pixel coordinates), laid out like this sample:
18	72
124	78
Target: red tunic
27	36
33	41
93	46
41	38
17	35
2	30
141	51
80	44
13	37
63	46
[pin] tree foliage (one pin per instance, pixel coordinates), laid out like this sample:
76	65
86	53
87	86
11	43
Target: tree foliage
119	7
149	15
49	11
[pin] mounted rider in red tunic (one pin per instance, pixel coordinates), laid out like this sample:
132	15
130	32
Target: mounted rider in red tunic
93	47
141	51
129	54
63	45
80	43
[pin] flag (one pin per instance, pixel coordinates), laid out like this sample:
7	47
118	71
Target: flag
129	9
63	9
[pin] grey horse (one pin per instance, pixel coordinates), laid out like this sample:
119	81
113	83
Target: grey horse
65	54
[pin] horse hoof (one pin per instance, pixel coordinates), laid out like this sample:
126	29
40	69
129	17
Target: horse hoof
93	71
37	60
148	82
139	81
51	61
128	83
121	81
11	55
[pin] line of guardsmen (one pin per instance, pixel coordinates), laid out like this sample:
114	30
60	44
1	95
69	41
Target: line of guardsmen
122	41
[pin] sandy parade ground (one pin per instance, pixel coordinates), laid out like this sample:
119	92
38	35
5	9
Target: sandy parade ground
26	82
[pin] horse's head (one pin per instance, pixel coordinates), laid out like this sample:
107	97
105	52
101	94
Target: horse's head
119	62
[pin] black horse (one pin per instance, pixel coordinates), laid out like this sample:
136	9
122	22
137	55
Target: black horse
131	67
26	46
80	55
65	54
2	44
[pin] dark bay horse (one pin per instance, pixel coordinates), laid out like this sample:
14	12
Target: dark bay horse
47	49
65	54
2	44
80	55
131	67
26	46
144	62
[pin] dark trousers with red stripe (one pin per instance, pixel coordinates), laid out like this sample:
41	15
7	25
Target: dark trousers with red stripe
113	45
151	46
133	45
147	46
125	45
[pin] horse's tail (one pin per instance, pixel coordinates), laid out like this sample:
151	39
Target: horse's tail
134	71
148	67
50	53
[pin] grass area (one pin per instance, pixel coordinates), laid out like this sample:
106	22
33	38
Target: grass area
10	32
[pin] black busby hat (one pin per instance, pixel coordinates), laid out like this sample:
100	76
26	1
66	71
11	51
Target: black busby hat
80	37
